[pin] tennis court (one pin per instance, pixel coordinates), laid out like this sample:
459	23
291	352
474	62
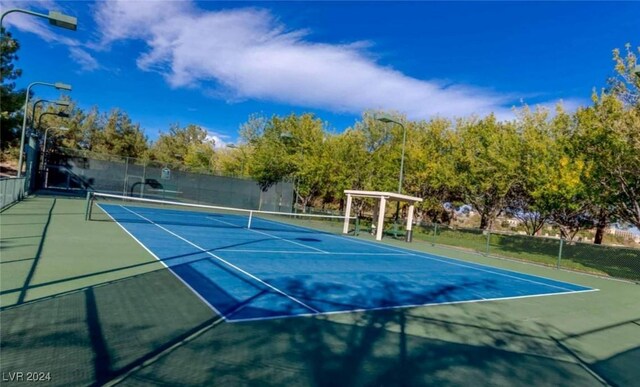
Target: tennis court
275	269
89	293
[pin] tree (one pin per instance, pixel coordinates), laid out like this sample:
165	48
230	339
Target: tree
431	173
11	100
233	161
291	147
552	183
539	158
189	145
609	134
270	163
365	157
118	135
349	165
626	83
486	164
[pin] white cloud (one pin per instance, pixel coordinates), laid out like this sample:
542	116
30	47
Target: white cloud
219	140
247	54
84	59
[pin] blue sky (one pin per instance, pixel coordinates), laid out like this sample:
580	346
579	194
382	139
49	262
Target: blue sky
214	63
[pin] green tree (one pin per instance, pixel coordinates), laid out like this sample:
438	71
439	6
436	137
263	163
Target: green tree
189	146
431	174
365	157
118	135
626	83
291	147
11	100
349	165
234	161
609	135
486	162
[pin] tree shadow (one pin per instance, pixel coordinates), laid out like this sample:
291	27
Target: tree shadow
151	329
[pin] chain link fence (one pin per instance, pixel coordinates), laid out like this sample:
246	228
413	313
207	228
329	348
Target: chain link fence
11	190
81	170
611	261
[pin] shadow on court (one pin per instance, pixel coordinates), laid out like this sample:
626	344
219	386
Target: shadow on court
150	329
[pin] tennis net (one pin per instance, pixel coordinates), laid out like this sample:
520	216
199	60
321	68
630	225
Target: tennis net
106	207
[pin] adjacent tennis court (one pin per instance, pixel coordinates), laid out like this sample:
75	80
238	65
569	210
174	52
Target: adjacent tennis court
276	269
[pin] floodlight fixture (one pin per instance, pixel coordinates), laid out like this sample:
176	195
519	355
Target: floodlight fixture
63	21
55	18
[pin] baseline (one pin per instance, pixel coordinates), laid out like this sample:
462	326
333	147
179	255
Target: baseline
455	262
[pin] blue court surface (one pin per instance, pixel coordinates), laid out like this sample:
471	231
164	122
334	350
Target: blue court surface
279	270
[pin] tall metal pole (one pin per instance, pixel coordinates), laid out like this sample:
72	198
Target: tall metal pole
24	119
59	20
59	86
33	110
388	119
404	140
44	145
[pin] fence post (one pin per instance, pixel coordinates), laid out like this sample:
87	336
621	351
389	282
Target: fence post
560	253
144	178
126	174
488	240
5	186
435	232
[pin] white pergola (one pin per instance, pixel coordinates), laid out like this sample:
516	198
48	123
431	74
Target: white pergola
383	198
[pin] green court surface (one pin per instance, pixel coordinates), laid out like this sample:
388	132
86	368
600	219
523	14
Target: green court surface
85	304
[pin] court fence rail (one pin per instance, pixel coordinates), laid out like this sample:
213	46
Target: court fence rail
11	190
609	261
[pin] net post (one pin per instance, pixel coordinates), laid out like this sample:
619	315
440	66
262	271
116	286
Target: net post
356	232
250	217
87	206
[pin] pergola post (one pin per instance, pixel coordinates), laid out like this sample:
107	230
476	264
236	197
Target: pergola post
409	236
381	210
347	214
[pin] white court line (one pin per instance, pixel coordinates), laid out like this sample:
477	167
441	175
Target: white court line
222	260
275	237
447	260
430	304
350	310
307	252
163	264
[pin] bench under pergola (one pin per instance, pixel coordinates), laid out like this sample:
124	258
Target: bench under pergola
383	198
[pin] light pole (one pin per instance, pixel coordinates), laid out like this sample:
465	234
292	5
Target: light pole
44	143
59	114
57	85
388	119
55	18
33	110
